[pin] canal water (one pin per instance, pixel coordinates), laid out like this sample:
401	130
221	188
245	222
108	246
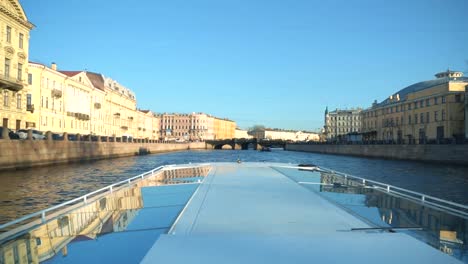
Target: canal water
26	191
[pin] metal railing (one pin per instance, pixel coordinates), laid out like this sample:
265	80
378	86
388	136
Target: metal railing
424	199
82	199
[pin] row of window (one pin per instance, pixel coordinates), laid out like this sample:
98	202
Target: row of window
344	130
345	118
182	127
7	68
421	118
20	37
412	105
7	99
77	124
183	121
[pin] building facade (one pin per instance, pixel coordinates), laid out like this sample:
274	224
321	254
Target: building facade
287	135
194	126
241	133
341	122
224	128
14	53
428	111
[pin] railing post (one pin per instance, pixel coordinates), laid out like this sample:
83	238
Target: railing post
111	189
85	200
43	219
388	188
363	182
423	198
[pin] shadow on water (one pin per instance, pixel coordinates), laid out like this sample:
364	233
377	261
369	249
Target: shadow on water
27	191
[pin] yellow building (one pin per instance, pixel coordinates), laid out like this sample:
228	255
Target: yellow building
63	100
224	128
428	111
14	51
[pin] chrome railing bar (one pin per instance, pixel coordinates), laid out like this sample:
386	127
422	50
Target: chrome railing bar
417	196
83	198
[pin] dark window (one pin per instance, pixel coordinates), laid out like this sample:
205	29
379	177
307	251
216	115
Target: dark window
28	99
8	32
428	102
20	72
21	37
436	116
436	100
443	99
416	118
422	118
457	98
7	68
427	117
30	78
443	115
18	101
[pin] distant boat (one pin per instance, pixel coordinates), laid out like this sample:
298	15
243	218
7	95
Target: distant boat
266	149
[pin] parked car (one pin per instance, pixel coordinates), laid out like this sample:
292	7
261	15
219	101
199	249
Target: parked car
23	134
11	134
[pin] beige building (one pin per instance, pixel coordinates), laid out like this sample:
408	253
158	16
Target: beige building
427	111
240	133
194	126
287	135
224	128
14	52
341	122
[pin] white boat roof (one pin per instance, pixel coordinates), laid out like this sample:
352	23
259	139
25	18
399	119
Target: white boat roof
226	213
253	213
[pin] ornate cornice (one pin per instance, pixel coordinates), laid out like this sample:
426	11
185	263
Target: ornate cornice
15	17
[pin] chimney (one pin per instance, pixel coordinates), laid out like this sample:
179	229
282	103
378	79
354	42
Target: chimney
53	66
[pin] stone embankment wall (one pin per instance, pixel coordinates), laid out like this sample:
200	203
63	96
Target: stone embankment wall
450	154
30	153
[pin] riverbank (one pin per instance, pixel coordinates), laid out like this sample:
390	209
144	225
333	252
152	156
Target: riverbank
19	154
447	154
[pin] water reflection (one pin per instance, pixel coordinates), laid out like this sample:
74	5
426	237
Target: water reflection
136	208
441	230
26	191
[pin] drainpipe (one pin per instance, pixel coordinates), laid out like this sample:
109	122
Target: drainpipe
466	112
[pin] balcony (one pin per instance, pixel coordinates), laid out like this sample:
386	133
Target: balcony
117	115
97	105
30	108
130	117
9	83
56	93
124	127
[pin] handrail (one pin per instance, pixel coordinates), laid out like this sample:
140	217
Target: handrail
391	189
83	198
417	196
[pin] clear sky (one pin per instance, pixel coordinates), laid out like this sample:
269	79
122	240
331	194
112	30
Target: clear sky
273	62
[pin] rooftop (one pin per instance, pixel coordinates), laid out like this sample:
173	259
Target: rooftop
442	78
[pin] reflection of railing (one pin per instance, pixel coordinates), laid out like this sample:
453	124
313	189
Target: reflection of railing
456	208
83	199
431	201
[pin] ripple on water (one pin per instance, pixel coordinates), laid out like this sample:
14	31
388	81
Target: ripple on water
31	190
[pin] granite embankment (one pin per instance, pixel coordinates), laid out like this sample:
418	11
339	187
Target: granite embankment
16	154
450	154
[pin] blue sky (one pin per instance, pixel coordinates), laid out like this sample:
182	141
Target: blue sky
270	62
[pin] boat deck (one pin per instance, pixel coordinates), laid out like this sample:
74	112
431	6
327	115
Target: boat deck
249	212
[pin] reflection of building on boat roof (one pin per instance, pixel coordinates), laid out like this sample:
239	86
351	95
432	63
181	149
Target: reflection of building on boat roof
269	211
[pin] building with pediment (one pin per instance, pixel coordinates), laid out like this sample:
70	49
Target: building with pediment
14	48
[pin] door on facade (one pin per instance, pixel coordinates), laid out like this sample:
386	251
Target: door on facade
18	124
5	122
440	133
399	137
422	136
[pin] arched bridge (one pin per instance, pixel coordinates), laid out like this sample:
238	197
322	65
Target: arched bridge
243	144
